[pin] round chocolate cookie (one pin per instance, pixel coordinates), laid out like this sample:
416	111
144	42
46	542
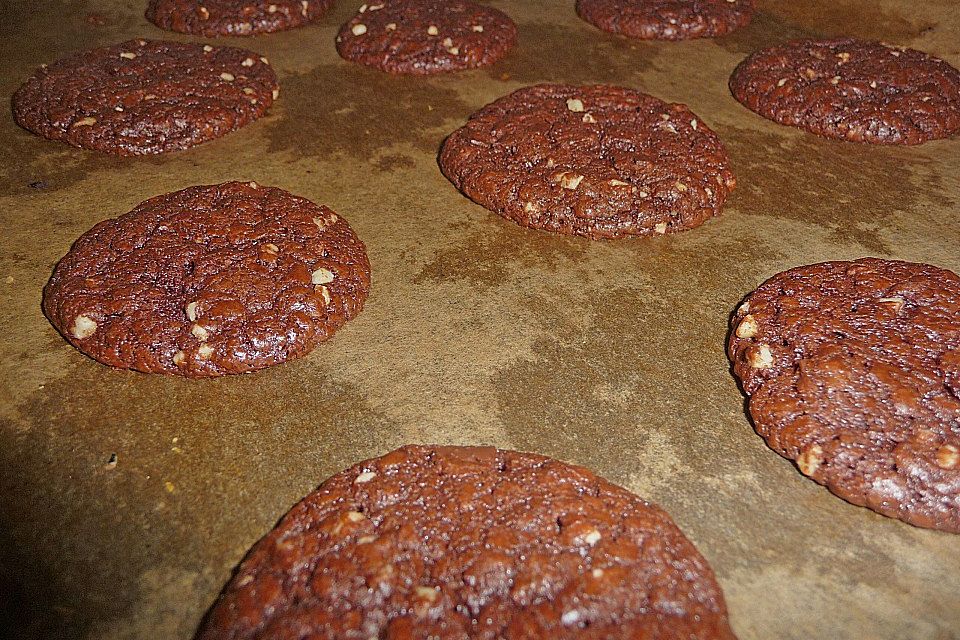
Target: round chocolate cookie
596	161
853	372
852	90
426	36
146	96
470	542
667	19
212	18
209	281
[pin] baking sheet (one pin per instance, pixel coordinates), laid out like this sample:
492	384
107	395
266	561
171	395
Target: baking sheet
606	354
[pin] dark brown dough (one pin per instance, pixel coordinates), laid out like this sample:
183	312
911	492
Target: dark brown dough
426	36
209	281
146	96
597	161
470	543
852	371
852	90
667	19
212	18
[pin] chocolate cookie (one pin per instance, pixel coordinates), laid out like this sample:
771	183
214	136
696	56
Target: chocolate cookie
470	542
426	36
667	19
853	372
212	18
146	96
209	281
596	161
852	90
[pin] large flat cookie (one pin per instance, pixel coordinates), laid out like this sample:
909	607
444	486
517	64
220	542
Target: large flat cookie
212	18
426	36
469	542
667	19
209	281
853	372
146	96
597	161
852	90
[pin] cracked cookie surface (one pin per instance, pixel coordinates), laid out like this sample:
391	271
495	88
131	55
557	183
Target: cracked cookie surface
853	90
208	281
598	161
146	96
470	542
426	36
853	372
667	19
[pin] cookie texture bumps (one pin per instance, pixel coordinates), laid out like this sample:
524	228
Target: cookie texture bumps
853	372
208	281
470	542
146	96
212	18
597	161
853	90
667	19
421	37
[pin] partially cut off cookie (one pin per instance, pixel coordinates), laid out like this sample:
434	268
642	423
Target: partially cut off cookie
470	543
853	372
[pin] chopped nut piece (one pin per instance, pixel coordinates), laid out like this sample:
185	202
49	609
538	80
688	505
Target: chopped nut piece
253	185
358	29
207	48
276	93
570	180
448	42
835	80
427	593
592	538
376	7
325	294
179	358
660	227
680	186
454	51
588	118
693	124
355	516
303	7
575	105
896	303
83	327
761	357
643	194
948	457
432	30
264	60
366	476
809	461
203	12
597	573
271	248
873	84
366	539
248	91
229	77
127	55
271	8
781	82
205	351
322	276
529	207
84	122
362	9
570	617
392	26
478	28
748	327
191	310
247	62
200	333
618	183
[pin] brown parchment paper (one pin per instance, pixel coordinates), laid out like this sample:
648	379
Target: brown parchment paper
606	354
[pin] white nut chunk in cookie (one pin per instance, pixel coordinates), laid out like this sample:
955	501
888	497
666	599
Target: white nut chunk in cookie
83	327
366	476
748	327
948	457
322	276
810	460
761	357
